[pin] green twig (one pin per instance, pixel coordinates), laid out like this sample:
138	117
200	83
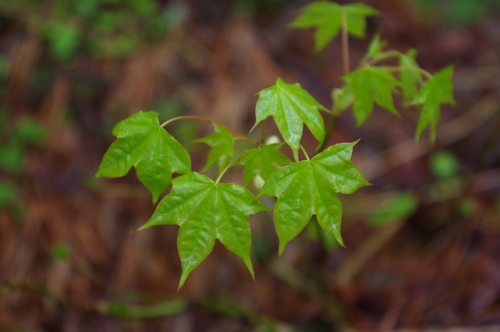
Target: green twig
345	44
203	119
304	152
228	166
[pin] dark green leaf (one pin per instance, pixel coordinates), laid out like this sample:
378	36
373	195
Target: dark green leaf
8	193
369	86
206	211
291	107
262	161
437	91
154	153
60	251
12	156
29	131
222	147
310	188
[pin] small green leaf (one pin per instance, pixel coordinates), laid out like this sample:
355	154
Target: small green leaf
437	91
310	188
29	131
60	251
369	86
444	165
399	207
291	107
222	147
357	14
409	76
12	156
341	99
326	17
154	153
206	211
8	193
118	309
262	161
64	39
375	47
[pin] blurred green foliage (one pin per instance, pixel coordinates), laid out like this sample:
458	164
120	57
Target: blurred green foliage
60	251
14	138
458	12
398	208
444	165
103	28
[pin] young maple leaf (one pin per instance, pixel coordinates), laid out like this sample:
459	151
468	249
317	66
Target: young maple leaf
327	18
153	152
262	161
437	91
410	76
368	86
222	147
206	211
291	107
310	188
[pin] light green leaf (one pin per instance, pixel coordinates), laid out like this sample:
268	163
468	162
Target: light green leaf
437	91
291	107
375	47
206	211
310	188
326	17
444	165
369	86
154	153
341	99
356	18
222	147
409	76
262	161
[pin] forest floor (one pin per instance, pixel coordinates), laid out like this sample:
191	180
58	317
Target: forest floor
70	258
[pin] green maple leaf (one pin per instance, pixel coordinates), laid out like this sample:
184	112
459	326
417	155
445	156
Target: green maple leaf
154	153
310	188
327	18
206	211
437	91
375	47
409	76
291	107
222	147
368	86
262	161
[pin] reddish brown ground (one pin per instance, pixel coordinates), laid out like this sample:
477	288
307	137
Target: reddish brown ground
437	269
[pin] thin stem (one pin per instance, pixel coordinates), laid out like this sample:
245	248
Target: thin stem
203	119
304	152
345	44
263	132
407	68
383	56
231	164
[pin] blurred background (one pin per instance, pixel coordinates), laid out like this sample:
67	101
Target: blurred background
423	243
